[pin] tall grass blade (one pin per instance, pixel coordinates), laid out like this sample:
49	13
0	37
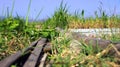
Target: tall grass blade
3	11
28	12
12	8
7	11
38	14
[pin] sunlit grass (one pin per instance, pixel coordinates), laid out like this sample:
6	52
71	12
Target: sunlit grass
111	22
63	55
17	33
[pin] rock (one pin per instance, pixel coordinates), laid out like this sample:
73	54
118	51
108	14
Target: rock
115	53
75	46
47	47
92	41
78	36
101	43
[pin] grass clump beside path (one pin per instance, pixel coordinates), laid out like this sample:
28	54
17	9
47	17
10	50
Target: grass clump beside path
80	54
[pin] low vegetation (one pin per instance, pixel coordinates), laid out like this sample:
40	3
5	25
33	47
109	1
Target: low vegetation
68	52
16	34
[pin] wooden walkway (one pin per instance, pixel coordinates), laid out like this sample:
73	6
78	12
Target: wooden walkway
33	56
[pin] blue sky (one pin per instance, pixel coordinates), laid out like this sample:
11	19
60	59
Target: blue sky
49	6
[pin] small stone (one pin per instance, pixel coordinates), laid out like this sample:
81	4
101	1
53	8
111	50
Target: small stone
75	46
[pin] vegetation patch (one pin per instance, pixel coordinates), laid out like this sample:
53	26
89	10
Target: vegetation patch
17	33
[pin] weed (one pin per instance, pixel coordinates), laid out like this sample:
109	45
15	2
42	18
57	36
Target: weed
59	19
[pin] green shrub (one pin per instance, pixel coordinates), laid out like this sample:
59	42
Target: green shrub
12	24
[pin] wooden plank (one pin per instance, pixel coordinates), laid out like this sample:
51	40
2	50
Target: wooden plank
33	58
50	63
11	59
33	44
42	61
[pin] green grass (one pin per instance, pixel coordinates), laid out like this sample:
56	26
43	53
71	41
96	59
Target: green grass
17	33
63	56
61	18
